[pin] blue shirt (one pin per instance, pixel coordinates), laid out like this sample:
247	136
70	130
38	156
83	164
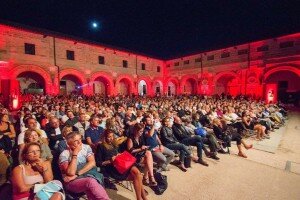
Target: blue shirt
151	141
94	133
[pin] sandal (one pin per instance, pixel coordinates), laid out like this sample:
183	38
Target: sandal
152	181
146	181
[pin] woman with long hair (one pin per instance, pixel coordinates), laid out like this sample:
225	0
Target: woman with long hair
33	170
136	146
106	153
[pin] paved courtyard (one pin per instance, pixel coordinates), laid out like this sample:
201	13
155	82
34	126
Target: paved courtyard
271	171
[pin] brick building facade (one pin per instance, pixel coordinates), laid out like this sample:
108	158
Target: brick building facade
41	61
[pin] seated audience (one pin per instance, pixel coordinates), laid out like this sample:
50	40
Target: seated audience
170	141
222	132
34	170
6	128
161	154
136	146
106	153
32	135
94	133
78	167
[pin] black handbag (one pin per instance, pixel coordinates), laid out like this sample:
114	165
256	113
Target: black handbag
187	162
162	183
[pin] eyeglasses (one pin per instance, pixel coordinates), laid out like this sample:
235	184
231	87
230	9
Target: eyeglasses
33	152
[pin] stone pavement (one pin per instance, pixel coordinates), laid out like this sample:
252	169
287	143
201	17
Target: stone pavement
262	175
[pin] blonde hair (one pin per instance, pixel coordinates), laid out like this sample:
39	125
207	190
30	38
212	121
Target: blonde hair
66	130
28	132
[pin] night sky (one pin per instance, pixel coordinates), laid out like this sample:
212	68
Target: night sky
163	29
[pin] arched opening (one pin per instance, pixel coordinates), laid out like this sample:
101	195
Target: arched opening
70	84
142	88
101	86
287	85
31	83
227	84
171	88
190	86
124	87
158	88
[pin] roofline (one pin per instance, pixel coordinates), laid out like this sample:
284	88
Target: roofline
246	43
90	42
70	37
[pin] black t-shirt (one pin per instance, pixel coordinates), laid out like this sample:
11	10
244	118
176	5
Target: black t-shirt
5	144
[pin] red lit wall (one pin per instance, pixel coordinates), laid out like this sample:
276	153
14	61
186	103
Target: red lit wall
247	70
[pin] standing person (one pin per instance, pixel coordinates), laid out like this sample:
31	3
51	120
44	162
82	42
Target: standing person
160	153
34	170
78	167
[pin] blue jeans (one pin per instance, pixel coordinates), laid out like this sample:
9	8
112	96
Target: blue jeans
194	141
184	150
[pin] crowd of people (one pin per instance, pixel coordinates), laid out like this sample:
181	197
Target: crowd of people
70	137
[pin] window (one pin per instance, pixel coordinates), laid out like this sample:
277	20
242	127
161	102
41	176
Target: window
186	62
176	64
125	63
211	57
29	49
286	44
158	68
143	66
225	55
198	60
101	60
242	51
263	48
70	55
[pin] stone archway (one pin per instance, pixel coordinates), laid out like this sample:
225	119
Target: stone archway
158	88
285	81
142	88
227	83
72	81
189	86
124	85
102	84
172	87
38	79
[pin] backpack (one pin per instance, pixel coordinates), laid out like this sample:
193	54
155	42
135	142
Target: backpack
200	131
162	183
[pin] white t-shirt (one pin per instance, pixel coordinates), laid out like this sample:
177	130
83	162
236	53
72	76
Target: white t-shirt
82	155
22	134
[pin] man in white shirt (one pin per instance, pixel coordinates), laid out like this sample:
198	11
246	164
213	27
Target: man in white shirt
31	123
